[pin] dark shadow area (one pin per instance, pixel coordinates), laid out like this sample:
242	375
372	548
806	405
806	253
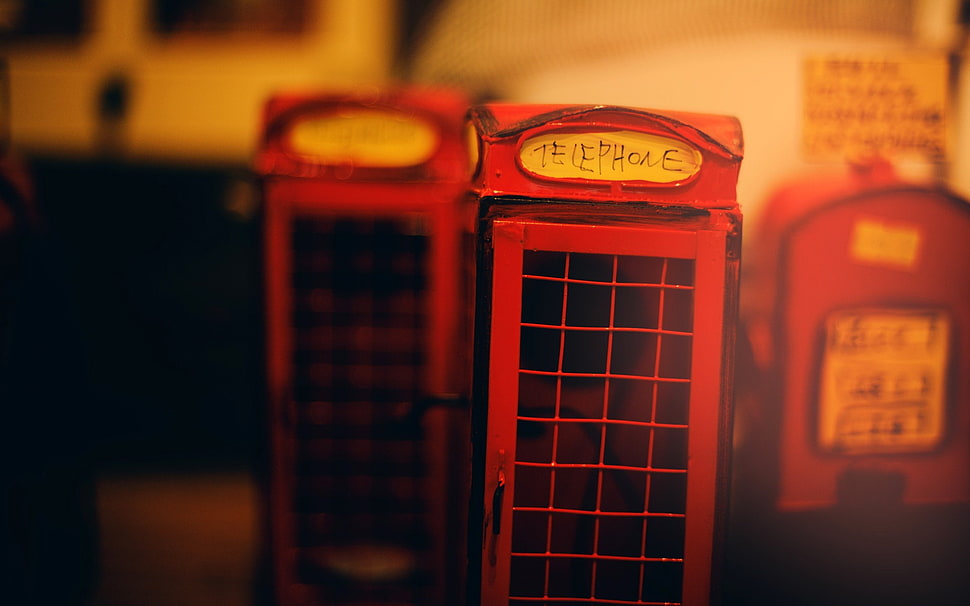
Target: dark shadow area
131	347
162	272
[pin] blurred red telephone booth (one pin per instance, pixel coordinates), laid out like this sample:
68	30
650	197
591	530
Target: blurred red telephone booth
364	303
609	244
859	461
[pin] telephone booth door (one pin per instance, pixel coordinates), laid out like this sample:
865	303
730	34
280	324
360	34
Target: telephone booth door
362	221
602	383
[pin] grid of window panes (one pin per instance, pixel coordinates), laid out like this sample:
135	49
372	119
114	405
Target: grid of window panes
359	472
599	506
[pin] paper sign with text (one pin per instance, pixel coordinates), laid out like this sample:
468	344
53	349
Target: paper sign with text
615	155
860	106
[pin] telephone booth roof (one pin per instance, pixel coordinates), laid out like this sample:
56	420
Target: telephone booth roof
400	134
602	153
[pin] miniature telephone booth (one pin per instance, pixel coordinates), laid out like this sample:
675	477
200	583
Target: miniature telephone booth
362	198
862	336
609	243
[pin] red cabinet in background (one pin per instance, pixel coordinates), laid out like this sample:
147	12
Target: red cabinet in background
858	453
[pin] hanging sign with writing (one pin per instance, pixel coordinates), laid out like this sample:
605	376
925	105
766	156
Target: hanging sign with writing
364	137
858	106
617	155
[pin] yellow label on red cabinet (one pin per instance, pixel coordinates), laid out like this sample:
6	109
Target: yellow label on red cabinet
880	243
618	155
364	137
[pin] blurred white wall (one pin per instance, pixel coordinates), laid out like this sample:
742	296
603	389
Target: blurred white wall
198	98
736	57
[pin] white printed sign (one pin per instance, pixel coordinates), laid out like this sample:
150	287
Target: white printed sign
883	381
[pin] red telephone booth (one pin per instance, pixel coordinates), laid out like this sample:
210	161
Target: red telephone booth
609	244
363	224
861	336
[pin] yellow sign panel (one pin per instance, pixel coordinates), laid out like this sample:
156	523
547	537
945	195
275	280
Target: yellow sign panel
619	155
878	243
368	138
883	382
472	145
859	106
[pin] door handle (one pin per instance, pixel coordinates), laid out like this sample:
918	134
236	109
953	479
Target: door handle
497	497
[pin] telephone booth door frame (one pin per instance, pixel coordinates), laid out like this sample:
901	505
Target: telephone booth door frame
709	414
